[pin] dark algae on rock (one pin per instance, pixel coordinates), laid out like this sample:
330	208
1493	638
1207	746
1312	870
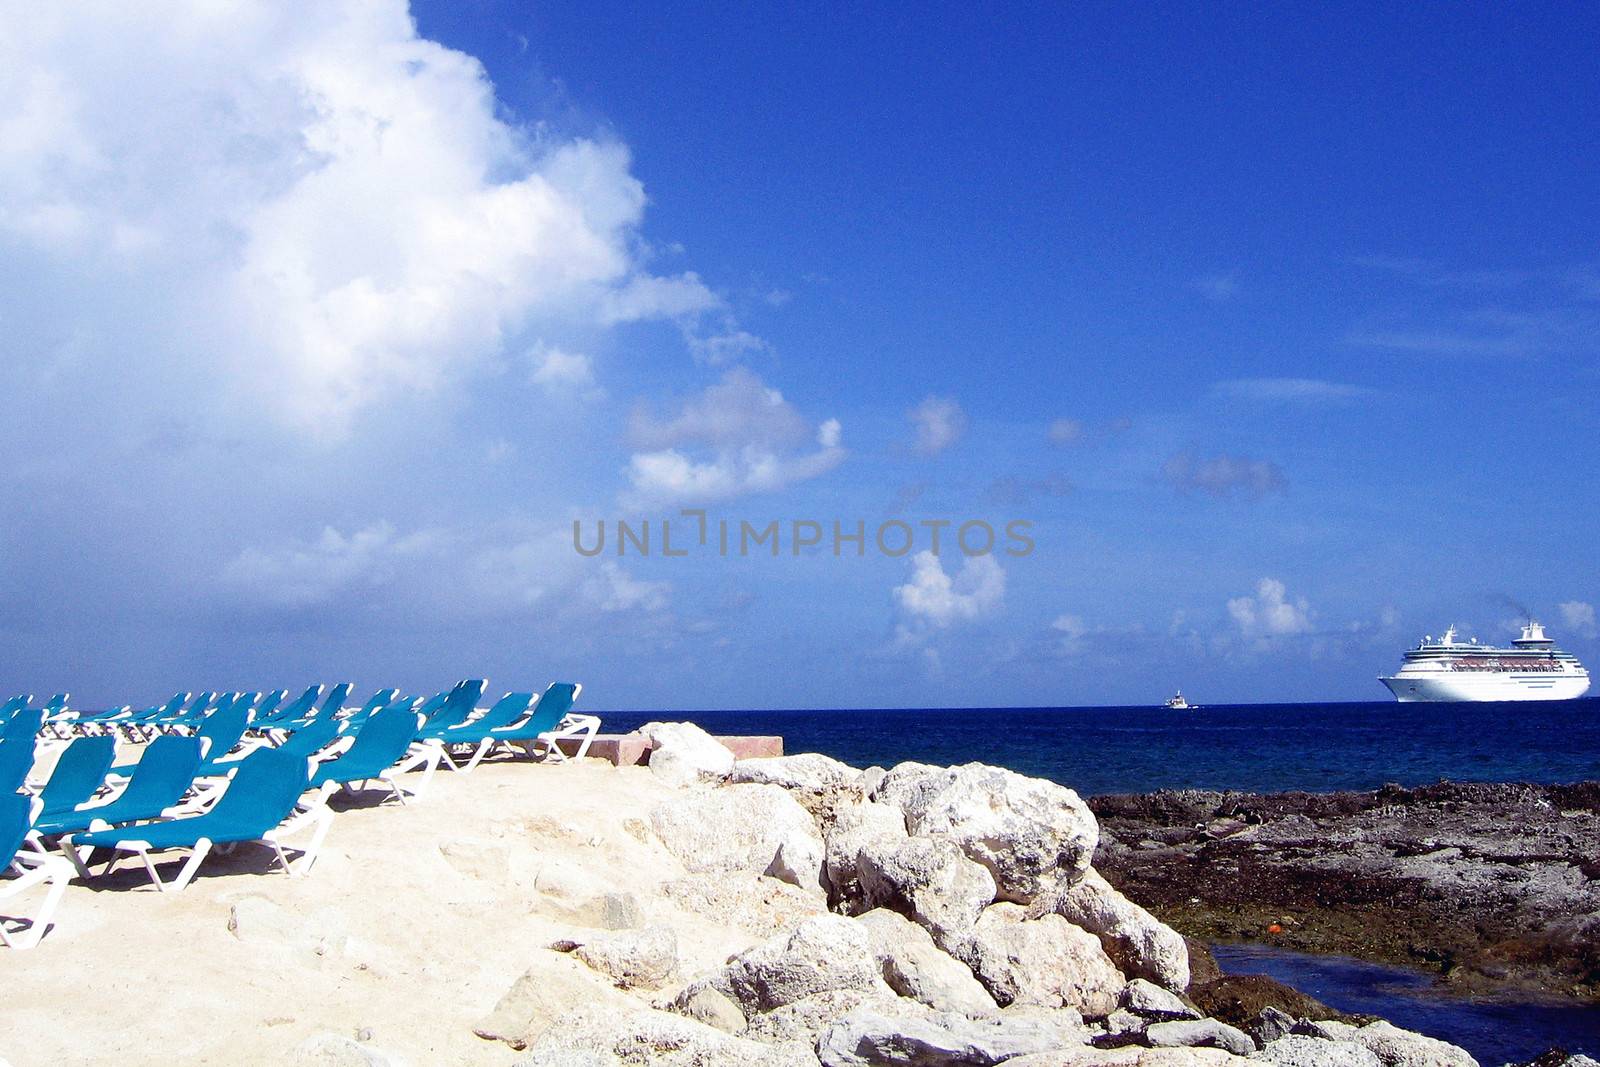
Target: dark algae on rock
1494	887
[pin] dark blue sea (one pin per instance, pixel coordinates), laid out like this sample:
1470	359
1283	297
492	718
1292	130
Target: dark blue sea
1255	747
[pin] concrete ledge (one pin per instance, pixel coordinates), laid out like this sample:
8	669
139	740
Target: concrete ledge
627	750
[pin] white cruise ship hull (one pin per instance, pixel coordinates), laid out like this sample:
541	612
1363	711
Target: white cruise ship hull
1473	686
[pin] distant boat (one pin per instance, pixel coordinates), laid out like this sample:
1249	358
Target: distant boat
1177	703
1533	668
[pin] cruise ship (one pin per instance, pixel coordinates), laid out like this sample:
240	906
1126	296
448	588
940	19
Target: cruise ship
1533	668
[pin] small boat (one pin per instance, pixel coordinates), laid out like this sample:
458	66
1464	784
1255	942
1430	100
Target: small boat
1177	703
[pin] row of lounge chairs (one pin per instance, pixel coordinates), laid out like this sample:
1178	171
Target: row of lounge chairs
236	768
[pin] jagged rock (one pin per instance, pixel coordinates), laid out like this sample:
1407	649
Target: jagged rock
1149	1000
808	770
824	952
1201	1033
1393	1046
1045	961
552	987
641	959
754	903
1122	1027
681	753
704	1004
867	1036
1142	945
845	831
930	880
593	1037
869	780
1132	1057
1298	1051
917	968
755	828
1270	1025
806	1019
334	1050
1029	833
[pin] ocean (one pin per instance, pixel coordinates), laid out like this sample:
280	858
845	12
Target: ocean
1254	747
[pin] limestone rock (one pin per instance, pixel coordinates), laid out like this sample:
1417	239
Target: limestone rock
754	903
868	1036
594	1037
681	753
807	770
915	967
1149	1000
845	831
1045	961
805	1020
1142	945
1199	1033
635	959
824	952
1133	1057
554	986
755	828
1393	1046
1298	1051
1029	833
334	1050
930	880
704	1004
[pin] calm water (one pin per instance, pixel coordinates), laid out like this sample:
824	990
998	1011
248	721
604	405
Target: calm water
1494	1031
1258	747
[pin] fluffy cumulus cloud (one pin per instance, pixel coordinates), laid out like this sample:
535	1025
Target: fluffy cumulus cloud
1578	617
310	207
938	423
934	597
739	436
1270	612
1223	476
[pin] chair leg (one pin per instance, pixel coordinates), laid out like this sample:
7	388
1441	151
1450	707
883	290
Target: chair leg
483	750
55	873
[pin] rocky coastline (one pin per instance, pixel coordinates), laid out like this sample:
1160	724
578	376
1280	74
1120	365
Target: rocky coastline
1494	888
927	916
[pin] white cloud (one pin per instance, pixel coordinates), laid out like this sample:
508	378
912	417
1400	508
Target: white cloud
1291	390
932	596
749	439
939	423
1579	617
464	572
1270	613
559	371
1224	475
1217	287
1065	432
312	208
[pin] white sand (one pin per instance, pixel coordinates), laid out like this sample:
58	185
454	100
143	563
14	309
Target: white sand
413	923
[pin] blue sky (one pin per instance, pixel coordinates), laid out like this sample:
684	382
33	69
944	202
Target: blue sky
320	332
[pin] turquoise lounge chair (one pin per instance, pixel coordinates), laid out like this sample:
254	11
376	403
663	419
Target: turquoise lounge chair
507	710
79	772
298	708
24	725
159	782
34	869
258	805
375	703
16	760
552	720
382	751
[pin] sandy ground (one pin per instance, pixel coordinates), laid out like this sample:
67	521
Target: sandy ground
412	924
